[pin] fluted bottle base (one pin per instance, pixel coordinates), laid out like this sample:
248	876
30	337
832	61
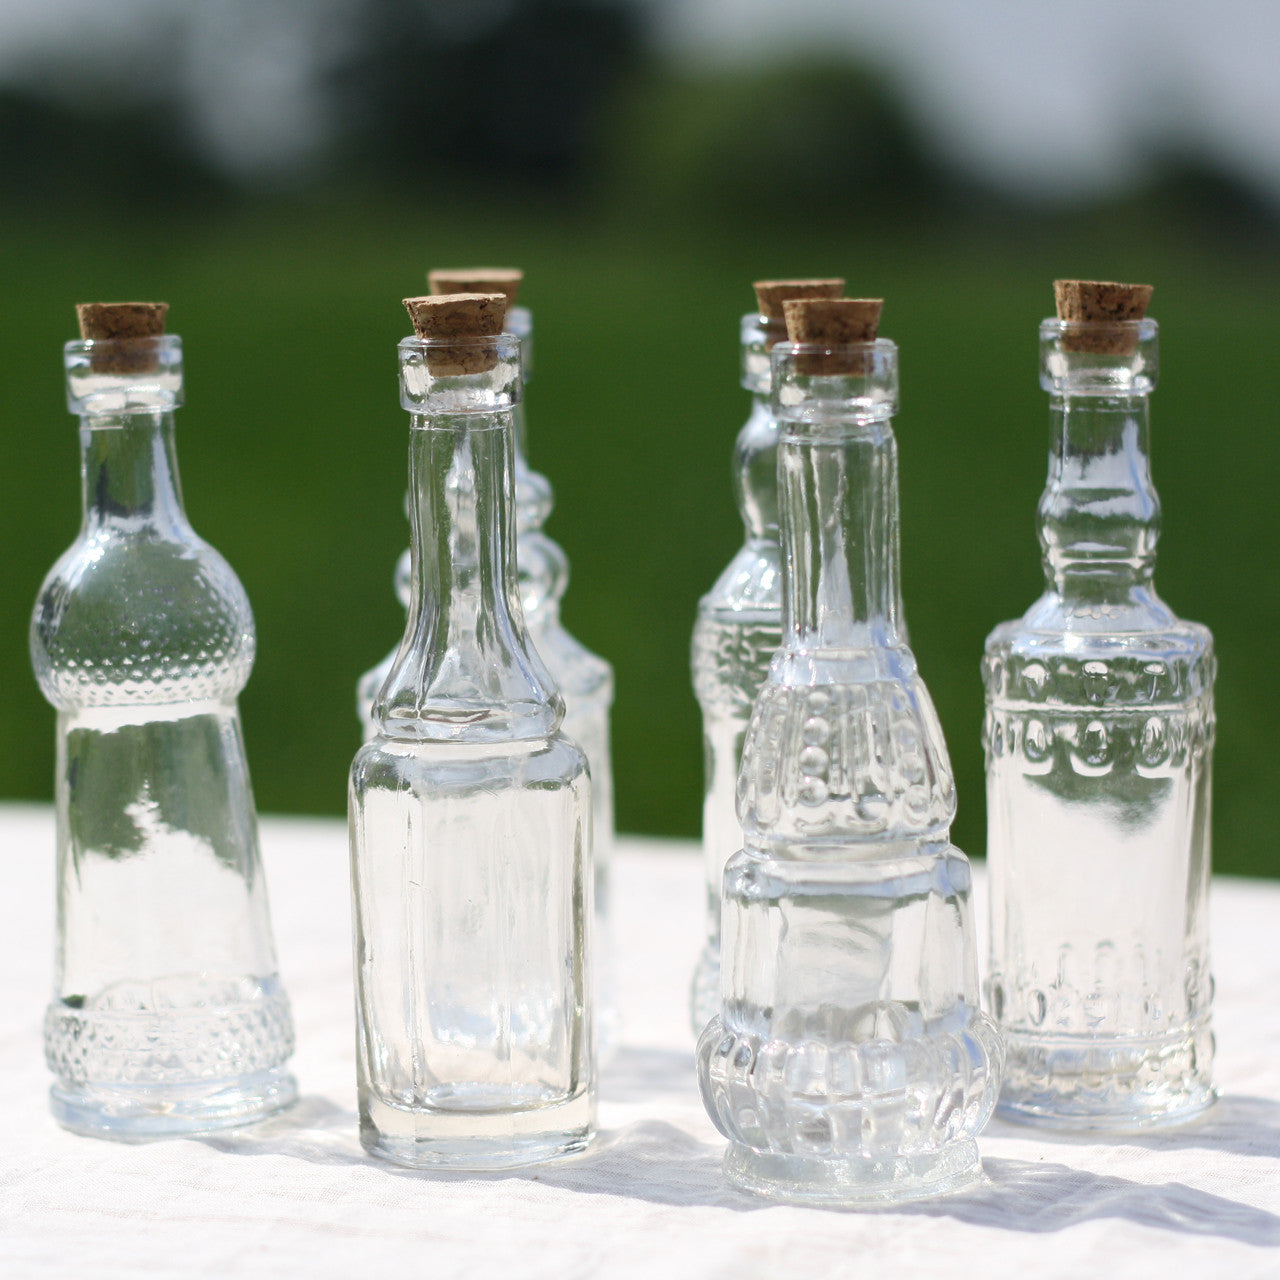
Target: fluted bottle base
1109	1085
476	1138
858	1183
139	1112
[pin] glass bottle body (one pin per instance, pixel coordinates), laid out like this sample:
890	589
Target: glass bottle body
168	1015
737	632
849	1062
1098	735
470	832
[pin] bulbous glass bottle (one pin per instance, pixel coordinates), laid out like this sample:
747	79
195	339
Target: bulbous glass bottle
470	821
739	623
1098	736
168	1015
849	1063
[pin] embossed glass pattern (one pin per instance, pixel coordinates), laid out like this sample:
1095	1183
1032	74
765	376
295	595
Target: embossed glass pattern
849	1062
1098	736
737	632
168	1015
470	826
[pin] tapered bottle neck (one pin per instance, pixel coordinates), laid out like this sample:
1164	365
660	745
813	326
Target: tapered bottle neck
542	564
755	472
465	670
1099	516
838	476
129	472
125	393
460	478
755	453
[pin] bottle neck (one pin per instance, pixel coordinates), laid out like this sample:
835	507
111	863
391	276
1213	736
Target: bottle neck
129	472
839	506
755	471
543	565
1099	515
465	671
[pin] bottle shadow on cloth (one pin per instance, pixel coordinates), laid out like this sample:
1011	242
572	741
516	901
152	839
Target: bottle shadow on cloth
1237	1124
651	1159
1033	1196
659	1162
648	1160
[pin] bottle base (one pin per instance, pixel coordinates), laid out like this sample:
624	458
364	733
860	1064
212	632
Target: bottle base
1116	1086
862	1183
476	1140
141	1112
1089	1113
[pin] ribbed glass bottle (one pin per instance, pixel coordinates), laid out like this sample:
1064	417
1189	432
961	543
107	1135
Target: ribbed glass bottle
1098	736
168	1015
849	1063
470	817
739	623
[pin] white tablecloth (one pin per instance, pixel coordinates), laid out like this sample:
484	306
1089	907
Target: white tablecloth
296	1196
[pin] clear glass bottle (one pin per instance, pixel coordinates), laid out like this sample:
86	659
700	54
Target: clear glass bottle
739	623
585	680
849	1063
470	809
1098	735
168	1015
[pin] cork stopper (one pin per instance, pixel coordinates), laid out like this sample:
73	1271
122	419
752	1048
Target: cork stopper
125	325
835	323
458	317
503	280
771	295
1106	305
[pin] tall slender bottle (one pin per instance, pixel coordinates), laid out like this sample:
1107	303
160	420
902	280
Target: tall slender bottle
849	1062
470	809
739	623
168	1015
1099	735
584	679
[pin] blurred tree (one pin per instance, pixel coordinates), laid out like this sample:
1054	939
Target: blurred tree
104	151
502	91
752	143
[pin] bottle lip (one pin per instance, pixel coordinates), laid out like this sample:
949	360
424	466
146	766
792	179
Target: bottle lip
480	374
126	350
757	334
519	321
1115	332
881	349
123	375
857	379
1089	357
504	341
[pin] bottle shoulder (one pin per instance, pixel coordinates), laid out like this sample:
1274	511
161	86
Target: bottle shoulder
1117	657
1140	616
759	433
751	583
137	617
730	657
434	770
577	671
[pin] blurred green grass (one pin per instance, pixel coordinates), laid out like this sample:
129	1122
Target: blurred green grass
293	447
